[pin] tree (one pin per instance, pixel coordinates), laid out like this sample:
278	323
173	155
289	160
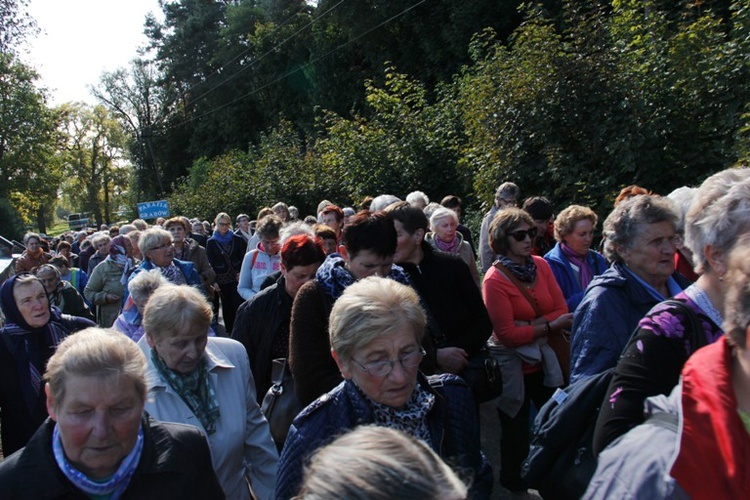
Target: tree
93	159
28	141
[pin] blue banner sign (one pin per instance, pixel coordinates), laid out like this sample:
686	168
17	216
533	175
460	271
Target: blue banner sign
153	209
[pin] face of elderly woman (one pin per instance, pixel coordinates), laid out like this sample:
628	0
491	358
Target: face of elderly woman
31	300
181	352
178	232
395	388
162	255
49	279
98	421
580	238
651	254
445	229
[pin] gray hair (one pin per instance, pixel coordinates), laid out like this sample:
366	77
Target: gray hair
28	236
430	209
173	309
417	196
144	284
629	219
371	308
682	198
127	228
293	229
737	303
152	238
381	202
96	352
507	191
441	213
709	222
379	463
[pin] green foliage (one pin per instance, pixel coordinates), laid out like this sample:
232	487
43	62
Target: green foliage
11	225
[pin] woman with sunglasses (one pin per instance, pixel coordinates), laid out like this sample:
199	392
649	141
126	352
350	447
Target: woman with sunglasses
376	329
526	305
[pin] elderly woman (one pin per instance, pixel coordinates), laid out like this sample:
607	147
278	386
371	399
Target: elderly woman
262	260
225	251
140	288
376	330
106	286
34	255
158	253
445	237
572	261
704	452
62	294
369	245
102	243
188	250
641	239
526	306
718	218
379	463
32	331
98	442
206	382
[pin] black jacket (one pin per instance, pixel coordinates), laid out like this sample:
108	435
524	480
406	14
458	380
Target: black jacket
18	422
175	464
456	309
258	322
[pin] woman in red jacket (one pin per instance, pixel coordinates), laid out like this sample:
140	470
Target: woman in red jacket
525	305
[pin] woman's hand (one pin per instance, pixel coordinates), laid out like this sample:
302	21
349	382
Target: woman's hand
452	359
564	321
111	298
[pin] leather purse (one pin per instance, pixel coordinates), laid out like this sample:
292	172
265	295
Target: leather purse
280	405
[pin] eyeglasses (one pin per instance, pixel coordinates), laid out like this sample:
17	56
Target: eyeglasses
520	235
383	368
162	247
223	224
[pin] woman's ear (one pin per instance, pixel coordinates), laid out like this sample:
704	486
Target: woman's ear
343	367
150	341
50	403
716	260
344	253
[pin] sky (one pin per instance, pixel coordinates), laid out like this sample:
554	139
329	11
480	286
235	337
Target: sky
80	39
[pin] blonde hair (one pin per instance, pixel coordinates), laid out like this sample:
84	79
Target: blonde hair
566	220
376	463
371	308
96	352
152	238
175	309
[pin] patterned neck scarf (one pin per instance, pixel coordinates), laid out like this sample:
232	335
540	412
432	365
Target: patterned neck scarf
115	486
25	342
173	274
450	247
194	388
334	277
412	419
580	261
526	272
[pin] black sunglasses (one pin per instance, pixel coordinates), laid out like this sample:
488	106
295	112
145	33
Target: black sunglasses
520	235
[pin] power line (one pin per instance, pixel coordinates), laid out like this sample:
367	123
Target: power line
306	65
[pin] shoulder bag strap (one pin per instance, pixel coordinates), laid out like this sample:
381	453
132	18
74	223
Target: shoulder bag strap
520	287
697	334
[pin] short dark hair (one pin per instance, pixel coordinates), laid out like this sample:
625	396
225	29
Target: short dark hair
412	218
451	201
538	207
64	244
324	232
269	226
373	231
301	250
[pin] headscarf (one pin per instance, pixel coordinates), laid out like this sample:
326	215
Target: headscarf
118	253
24	341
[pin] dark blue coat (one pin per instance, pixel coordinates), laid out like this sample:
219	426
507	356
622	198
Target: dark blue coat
453	424
566	277
605	319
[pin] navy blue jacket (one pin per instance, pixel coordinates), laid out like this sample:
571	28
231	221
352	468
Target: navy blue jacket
566	278
605	319
453	424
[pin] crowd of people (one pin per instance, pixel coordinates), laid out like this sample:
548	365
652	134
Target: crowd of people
143	359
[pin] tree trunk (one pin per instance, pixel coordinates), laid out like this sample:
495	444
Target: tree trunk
40	219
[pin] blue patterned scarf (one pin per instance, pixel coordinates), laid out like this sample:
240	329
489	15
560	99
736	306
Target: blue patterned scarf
412	419
115	486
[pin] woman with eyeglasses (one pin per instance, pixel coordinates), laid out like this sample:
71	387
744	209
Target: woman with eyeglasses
525	305
376	328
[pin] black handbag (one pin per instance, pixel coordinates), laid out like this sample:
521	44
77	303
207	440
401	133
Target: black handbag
280	406
483	375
